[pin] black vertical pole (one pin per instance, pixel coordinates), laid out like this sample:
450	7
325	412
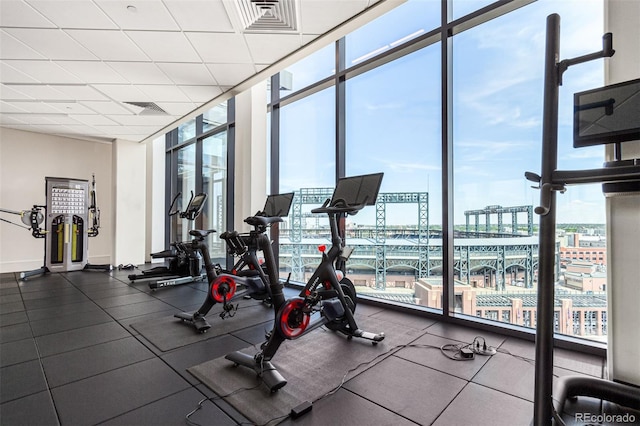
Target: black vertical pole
543	408
446	50
274	153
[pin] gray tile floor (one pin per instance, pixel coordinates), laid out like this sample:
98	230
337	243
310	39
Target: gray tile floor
69	356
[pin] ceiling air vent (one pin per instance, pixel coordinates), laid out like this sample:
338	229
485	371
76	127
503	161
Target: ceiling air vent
148	108
260	16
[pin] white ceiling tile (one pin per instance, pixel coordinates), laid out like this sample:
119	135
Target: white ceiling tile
150	120
61	119
81	93
318	17
80	130
143	130
77	131
231	74
10	74
201	94
42	71
308	38
38	119
163	46
12	48
122	92
42	92
35	107
220	48
38	128
140	72
109	45
112	130
178	108
17	13
187	73
107	108
164	93
92	119
71	108
6	107
74	14
199	15
10	120
86	58
92	72
148	15
8	93
51	43
268	48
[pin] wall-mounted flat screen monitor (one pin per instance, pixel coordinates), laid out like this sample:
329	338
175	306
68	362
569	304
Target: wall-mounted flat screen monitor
609	114
278	205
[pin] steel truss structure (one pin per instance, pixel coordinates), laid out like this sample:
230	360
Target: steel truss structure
419	249
500	211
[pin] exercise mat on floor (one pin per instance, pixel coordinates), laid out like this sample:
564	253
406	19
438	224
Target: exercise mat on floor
312	365
169	333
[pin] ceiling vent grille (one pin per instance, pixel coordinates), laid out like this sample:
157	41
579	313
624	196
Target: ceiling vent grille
260	16
148	108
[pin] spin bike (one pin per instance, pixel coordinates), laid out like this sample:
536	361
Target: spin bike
185	264
249	272
326	292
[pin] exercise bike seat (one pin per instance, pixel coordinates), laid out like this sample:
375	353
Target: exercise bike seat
164	254
262	220
201	233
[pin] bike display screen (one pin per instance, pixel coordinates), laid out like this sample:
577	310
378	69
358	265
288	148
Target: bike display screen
357	190
278	205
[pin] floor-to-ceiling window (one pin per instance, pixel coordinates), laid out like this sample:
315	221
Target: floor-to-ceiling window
186	183
455	221
307	166
497	112
393	126
197	161
214	184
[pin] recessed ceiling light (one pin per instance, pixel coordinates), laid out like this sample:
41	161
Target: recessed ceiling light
132	8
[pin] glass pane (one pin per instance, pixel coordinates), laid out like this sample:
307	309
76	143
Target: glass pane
187	131
393	126
309	70
464	7
214	117
497	99
307	166
186	183
405	22
307	142
214	183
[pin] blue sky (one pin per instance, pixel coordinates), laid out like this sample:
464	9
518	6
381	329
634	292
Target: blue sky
393	113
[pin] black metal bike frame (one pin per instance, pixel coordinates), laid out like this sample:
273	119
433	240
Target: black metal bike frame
324	274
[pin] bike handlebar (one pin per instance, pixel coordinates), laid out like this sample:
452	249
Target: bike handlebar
339	206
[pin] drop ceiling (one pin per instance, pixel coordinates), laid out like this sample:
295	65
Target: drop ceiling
110	69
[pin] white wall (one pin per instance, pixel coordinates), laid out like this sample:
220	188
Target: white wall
25	160
251	154
155	209
129	201
622	18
